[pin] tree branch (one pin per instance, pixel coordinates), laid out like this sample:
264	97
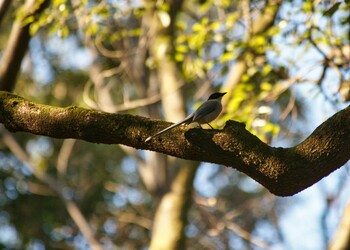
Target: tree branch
283	171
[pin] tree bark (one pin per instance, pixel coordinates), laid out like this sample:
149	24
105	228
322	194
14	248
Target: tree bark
283	171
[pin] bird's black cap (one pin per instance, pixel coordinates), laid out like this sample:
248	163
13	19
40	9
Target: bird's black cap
216	95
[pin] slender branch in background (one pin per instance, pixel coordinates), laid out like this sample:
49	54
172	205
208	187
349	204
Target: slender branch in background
86	92
323	74
122	107
71	206
127	105
82	224
327	63
287	110
341	240
247	17
117	54
64	155
245	235
218	222
132	218
330	58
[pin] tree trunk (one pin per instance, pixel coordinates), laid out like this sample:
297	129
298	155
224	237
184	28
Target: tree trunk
17	46
341	239
4	5
170	216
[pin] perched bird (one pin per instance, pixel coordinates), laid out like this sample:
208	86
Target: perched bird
206	113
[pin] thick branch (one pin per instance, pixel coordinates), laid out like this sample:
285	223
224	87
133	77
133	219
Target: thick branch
284	171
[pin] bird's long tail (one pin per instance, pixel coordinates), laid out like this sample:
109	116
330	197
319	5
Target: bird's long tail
187	120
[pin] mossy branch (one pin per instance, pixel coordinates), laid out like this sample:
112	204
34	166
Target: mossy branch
283	171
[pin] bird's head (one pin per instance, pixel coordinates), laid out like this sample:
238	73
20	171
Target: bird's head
216	95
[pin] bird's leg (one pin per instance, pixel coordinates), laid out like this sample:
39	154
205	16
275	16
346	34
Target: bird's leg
210	126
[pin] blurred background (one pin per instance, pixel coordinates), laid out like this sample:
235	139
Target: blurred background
284	64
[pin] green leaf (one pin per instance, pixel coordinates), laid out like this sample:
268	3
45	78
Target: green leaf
258	40
265	86
231	19
266	70
181	48
307	6
214	25
179	57
134	32
58	2
227	56
197	27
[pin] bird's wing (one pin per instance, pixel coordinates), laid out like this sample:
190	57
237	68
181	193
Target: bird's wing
205	109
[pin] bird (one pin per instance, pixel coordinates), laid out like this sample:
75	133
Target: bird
206	113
